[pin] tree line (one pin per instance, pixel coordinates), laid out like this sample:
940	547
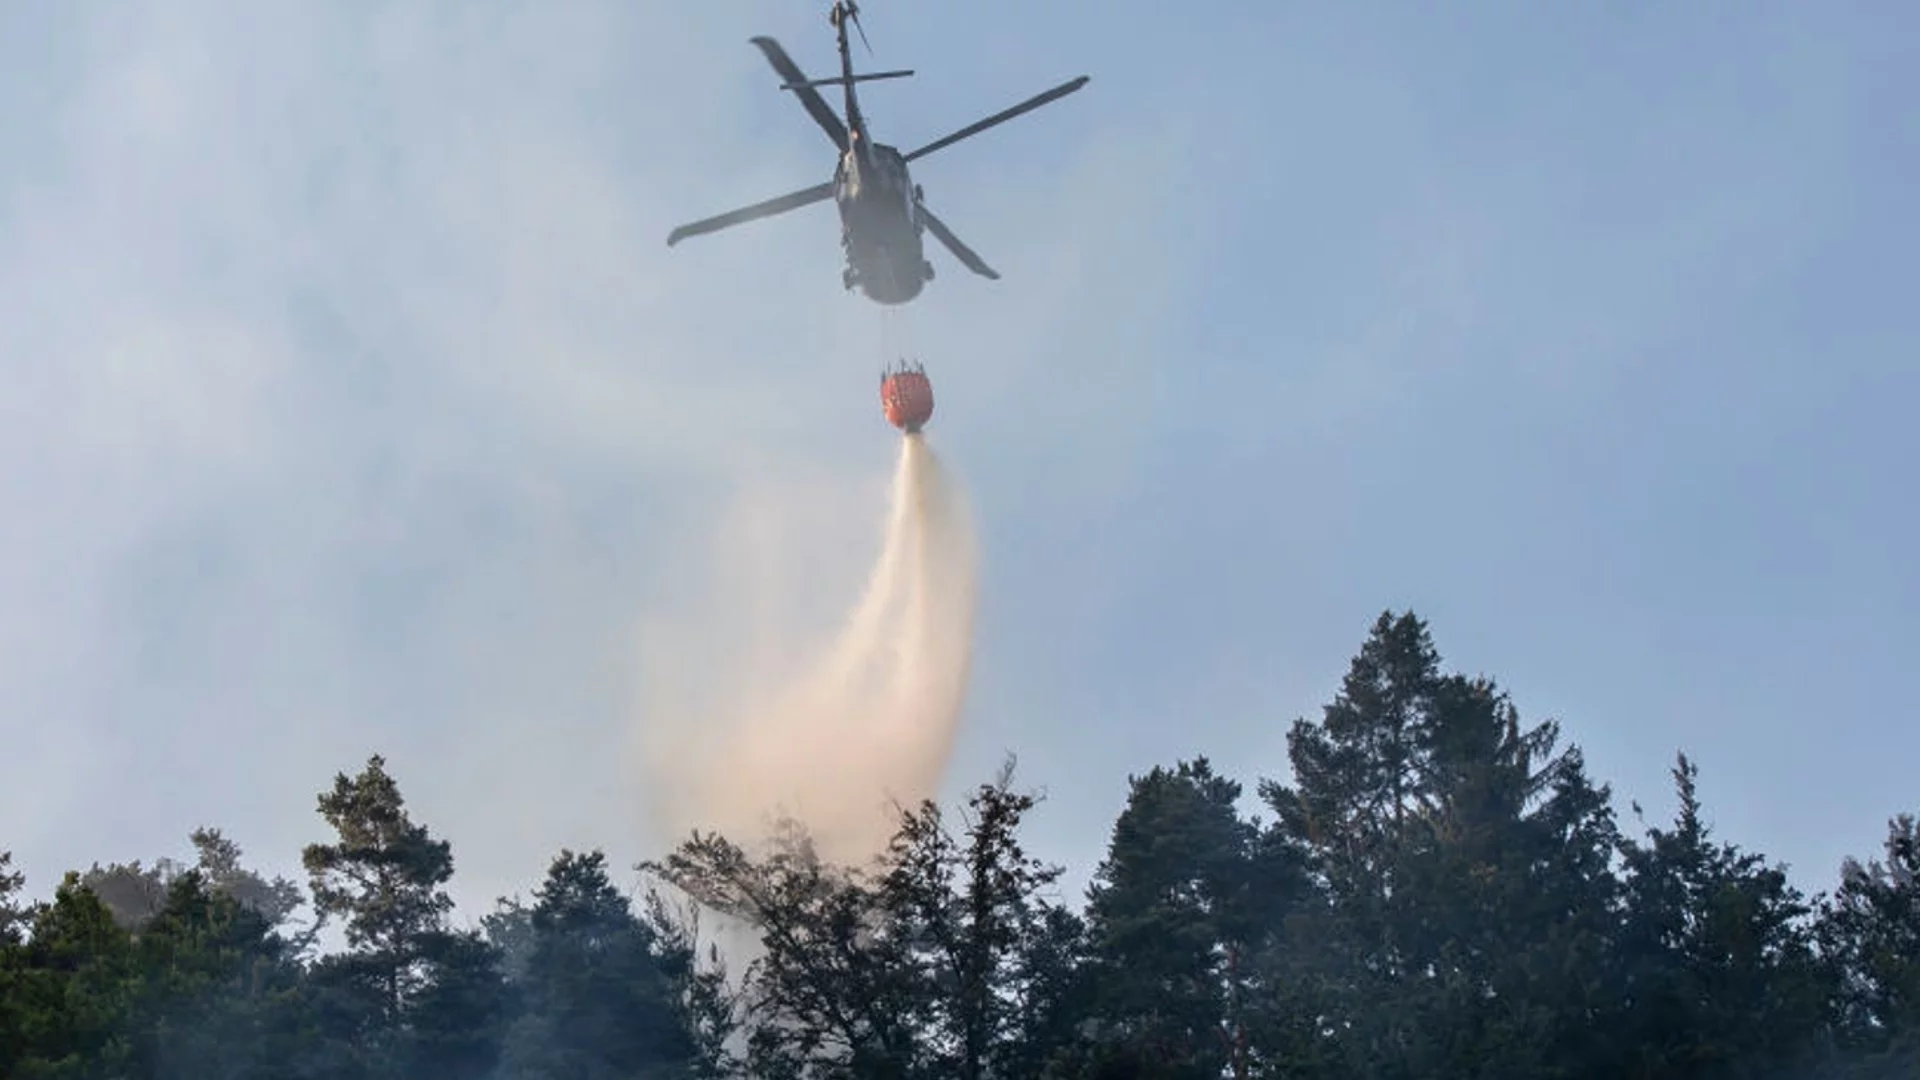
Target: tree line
1438	891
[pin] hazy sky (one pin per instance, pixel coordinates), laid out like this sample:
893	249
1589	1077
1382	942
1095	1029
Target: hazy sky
354	403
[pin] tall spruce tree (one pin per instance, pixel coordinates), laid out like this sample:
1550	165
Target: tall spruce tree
1509	902
218	989
1356	774
1177	917
75	984
1722	979
1462	863
597	1002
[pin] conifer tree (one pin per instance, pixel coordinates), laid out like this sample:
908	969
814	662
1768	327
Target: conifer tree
409	993
76	983
1457	856
218	989
596	1000
1722	976
1176	918
1870	928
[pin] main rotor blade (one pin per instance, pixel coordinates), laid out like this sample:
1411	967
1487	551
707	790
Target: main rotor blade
769	208
791	74
1028	105
960	251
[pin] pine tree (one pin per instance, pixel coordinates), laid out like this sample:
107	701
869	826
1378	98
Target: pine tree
1175	920
218	992
1723	980
1460	864
1508	892
409	993
1356	777
76	982
597	1001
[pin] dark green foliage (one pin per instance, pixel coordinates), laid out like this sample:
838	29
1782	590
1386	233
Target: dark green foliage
1465	905
596	1001
384	878
1722	979
410	996
454	1026
1871	932
17	1007
509	928
218	990
74	988
1180	911
1442	891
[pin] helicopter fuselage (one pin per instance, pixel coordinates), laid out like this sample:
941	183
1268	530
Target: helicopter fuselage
883	215
880	227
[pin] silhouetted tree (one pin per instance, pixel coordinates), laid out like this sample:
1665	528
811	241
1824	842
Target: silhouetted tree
1443	892
706	1003
76	987
1870	929
1179	913
1722	978
409	994
219	990
943	960
597	1002
1461	868
830	989
973	914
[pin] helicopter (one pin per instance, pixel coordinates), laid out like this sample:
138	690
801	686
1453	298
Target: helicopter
882	212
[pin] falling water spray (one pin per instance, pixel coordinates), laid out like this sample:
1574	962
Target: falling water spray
865	722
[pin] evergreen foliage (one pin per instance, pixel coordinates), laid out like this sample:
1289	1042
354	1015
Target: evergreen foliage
1436	889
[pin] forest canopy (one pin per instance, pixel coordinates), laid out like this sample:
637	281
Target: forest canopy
1438	888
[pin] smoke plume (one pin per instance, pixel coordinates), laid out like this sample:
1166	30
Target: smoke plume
851	729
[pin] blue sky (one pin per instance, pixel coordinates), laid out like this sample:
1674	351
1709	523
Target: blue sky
355	403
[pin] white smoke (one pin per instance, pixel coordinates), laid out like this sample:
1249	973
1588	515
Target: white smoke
850	731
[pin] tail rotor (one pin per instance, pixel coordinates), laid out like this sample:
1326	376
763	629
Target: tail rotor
849	11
